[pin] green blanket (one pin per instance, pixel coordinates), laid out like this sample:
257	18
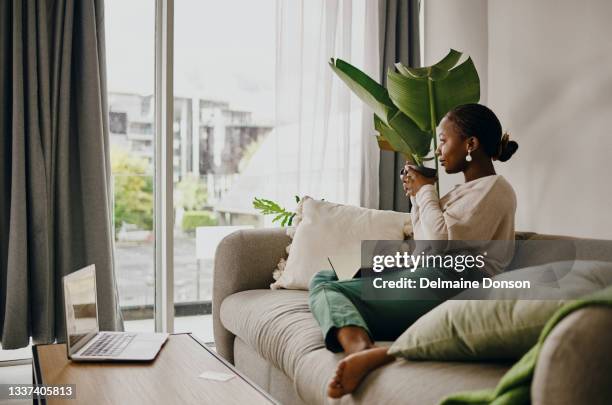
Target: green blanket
514	387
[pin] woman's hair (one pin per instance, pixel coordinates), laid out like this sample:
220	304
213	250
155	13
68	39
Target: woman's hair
479	121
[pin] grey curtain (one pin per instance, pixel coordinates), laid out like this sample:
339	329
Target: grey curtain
399	42
55	211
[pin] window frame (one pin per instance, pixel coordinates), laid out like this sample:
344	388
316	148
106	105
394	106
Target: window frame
163	167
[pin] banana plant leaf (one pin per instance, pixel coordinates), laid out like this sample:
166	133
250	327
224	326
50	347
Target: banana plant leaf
387	133
407	113
461	86
364	87
389	139
383	144
418	141
446	64
427	98
399	131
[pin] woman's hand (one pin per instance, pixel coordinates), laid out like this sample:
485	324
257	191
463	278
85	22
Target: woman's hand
413	180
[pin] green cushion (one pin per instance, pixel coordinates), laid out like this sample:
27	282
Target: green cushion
476	330
507	324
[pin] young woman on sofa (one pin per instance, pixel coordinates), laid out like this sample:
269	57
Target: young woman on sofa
482	209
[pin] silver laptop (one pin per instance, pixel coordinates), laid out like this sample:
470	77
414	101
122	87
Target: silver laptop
347	263
84	340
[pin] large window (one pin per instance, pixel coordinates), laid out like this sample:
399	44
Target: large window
130	44
223	111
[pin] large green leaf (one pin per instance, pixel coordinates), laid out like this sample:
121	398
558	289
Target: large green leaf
450	60
403	135
446	64
418	140
364	87
399	131
384	144
389	135
411	95
461	86
416	100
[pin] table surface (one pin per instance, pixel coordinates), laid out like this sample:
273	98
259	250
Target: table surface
172	378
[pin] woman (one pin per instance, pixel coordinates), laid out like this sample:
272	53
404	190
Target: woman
480	209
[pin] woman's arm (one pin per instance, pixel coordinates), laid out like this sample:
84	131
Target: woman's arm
428	220
431	217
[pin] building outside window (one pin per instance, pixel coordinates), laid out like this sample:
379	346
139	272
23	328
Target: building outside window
223	110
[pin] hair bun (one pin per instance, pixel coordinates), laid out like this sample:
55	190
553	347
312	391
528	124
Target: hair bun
506	148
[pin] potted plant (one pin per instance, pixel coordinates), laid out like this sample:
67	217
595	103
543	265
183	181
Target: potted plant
407	113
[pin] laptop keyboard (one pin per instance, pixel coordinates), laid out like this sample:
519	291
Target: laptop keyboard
109	344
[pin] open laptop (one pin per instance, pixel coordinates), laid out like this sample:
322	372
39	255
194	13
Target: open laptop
347	263
84	340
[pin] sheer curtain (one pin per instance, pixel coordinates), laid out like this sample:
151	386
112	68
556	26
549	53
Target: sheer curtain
323	143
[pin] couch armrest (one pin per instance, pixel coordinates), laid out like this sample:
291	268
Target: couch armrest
244	260
575	364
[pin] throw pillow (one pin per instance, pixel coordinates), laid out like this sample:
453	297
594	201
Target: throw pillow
475	330
325	228
505	324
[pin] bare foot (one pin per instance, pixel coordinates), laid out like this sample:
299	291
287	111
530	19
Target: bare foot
353	339
352	369
357	347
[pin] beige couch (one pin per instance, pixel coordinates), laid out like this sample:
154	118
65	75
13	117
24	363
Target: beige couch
271	336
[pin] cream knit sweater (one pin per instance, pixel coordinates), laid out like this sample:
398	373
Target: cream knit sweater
479	210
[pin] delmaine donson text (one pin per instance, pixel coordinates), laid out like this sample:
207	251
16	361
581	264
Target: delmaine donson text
458	263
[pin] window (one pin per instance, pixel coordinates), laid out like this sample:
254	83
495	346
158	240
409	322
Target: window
130	40
223	110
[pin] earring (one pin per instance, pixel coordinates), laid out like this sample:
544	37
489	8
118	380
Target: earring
468	158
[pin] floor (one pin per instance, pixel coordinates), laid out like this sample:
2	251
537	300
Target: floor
200	326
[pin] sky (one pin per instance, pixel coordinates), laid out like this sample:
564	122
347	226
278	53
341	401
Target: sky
224	50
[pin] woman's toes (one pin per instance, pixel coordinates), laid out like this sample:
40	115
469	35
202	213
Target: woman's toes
334	389
335	380
335	392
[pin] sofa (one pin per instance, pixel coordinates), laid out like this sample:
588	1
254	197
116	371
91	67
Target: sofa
271	336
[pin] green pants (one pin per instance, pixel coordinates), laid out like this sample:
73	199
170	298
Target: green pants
336	304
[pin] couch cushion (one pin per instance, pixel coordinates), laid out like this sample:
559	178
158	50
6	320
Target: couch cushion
400	382
276	323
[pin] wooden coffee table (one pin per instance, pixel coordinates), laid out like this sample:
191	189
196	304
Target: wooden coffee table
172	378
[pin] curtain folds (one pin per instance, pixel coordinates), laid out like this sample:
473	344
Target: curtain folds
55	209
320	137
399	42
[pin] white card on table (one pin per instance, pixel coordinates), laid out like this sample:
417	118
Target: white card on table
212	375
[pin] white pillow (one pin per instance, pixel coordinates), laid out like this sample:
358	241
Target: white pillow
326	229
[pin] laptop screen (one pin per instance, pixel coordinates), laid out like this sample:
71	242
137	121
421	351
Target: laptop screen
80	307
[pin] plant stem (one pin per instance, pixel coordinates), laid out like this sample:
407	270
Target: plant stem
432	114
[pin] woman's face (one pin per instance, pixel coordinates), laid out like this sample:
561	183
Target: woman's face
452	147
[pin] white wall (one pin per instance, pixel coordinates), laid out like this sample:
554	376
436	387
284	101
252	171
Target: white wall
549	79
461	25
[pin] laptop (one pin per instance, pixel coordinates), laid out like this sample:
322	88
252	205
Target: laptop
346	264
84	340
